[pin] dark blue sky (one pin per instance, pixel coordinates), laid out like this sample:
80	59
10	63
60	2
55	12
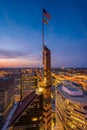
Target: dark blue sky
21	32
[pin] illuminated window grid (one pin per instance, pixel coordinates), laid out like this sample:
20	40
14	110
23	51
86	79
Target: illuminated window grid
74	118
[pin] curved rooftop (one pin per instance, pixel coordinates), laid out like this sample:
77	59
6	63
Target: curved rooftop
72	91
78	98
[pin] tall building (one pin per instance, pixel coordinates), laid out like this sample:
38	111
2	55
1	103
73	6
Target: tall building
29	82
6	98
47	89
71	108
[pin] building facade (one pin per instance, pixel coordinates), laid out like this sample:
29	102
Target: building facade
6	98
47	90
71	109
29	82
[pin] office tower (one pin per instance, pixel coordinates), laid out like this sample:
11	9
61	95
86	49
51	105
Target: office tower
6	98
47	89
29	82
71	108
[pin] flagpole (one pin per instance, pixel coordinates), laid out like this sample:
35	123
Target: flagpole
42	37
42	32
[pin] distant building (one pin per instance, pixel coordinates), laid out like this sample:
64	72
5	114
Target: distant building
71	108
29	82
6	98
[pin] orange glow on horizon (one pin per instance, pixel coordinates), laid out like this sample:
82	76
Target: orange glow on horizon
18	63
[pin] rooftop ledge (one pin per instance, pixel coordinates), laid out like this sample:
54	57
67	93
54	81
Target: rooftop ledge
72	91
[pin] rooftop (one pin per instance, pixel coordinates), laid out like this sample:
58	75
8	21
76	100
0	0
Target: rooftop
22	106
72	89
78	98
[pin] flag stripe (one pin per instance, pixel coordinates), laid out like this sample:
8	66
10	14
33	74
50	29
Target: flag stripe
46	14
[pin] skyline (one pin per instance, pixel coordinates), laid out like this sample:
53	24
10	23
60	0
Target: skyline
21	33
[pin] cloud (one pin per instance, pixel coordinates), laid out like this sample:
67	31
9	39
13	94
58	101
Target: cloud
16	58
11	54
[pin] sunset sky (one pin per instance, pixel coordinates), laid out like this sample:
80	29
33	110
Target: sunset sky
21	32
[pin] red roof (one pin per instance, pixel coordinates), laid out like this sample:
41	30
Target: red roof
22	106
